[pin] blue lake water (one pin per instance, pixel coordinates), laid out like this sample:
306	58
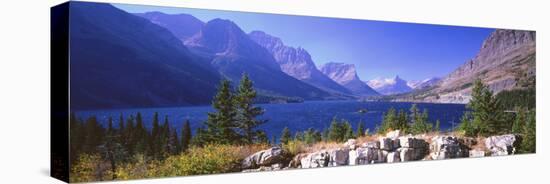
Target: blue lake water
296	116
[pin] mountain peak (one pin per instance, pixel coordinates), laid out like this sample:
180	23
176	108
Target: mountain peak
389	86
296	62
346	75
181	25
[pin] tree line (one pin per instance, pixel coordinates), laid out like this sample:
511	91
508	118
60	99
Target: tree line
233	123
509	112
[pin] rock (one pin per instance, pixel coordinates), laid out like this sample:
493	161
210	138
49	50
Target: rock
394	134
266	157
363	156
372	144
296	161
406	154
351	143
388	144
412	142
326	158
444	147
338	157
381	156
477	153
503	144
316	159
393	157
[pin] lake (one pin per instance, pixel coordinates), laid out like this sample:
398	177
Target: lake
296	116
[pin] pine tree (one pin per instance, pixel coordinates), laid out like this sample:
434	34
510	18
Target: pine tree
336	131
309	136
325	136
221	125
348	130
140	135
466	125
285	136
247	112
529	142
421	124
486	111
519	122
360	129
94	135
437	127
185	136
389	122
402	121
173	143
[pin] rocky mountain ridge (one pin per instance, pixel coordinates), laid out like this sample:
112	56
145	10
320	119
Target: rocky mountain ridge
296	62
346	75
505	61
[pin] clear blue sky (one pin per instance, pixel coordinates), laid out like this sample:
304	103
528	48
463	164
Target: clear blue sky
378	49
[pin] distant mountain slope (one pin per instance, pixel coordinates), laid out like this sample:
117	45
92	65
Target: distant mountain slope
121	60
346	75
389	86
505	61
233	53
296	62
423	83
182	26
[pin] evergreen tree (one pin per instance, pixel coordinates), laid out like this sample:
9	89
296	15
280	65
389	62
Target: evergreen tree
129	134
437	127
140	135
325	136
348	130
402	121
247	112
466	125
336	131
121	123
529	142
519	122
360	129
285	136
94	135
221	125
110	129
486	111
421	124
262	137
185	136
309	137
173	143
389	122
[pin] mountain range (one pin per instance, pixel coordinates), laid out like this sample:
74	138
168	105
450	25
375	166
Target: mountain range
346	75
149	59
505	61
121	60
297	63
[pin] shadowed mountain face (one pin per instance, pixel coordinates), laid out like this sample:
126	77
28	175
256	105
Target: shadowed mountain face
182	26
297	63
346	75
122	60
389	86
233	53
505	61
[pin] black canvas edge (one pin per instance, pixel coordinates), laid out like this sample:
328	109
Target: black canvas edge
59	83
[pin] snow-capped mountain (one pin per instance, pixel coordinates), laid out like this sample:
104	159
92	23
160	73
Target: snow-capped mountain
389	86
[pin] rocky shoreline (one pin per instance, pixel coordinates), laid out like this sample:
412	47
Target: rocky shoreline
391	148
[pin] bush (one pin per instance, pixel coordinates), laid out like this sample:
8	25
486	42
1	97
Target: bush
294	147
